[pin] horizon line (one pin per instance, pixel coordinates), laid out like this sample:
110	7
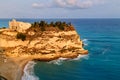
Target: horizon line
59	18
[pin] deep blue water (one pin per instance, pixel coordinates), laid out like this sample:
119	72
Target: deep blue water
102	37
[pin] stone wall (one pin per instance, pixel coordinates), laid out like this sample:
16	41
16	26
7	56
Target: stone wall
19	26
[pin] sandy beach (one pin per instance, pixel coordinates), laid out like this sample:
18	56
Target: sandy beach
12	68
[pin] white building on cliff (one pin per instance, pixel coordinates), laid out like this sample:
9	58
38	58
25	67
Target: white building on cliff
19	26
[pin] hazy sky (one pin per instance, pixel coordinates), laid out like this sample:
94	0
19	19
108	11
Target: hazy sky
59	8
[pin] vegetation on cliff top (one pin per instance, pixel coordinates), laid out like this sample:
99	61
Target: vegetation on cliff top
2	27
52	26
39	27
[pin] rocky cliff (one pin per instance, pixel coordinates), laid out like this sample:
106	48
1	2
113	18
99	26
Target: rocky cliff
47	42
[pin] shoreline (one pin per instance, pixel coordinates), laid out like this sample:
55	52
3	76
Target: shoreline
20	62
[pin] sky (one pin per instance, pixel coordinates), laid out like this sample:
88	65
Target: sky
59	8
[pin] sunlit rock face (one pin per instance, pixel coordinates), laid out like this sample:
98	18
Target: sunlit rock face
19	26
21	39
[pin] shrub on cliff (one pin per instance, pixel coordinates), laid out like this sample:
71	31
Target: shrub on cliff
21	36
3	28
43	24
52	24
58	25
42	28
61	27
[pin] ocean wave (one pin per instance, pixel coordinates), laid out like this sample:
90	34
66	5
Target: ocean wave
81	57
29	72
85	42
58	61
61	60
105	50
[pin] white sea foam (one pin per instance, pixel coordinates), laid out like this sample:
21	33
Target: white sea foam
85	41
61	60
81	57
58	61
29	72
105	50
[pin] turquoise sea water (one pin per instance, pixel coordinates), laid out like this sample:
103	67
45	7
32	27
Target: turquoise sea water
102	39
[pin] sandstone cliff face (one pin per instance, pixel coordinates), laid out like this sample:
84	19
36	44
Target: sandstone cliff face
44	43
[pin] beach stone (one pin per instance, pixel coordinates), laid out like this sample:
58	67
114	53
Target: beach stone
2	78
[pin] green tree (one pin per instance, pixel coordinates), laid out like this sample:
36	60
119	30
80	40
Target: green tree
42	24
61	27
64	24
52	24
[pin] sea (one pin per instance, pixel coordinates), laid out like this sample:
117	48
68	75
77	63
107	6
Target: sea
101	38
